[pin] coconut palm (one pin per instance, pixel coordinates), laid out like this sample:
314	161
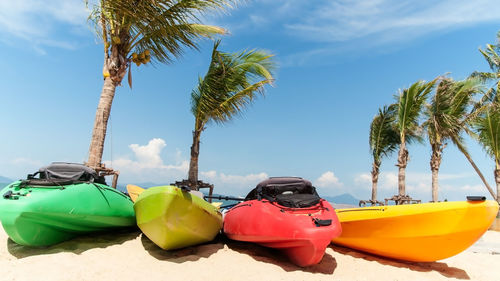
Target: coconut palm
410	103
140	31
487	127
446	118
384	139
232	82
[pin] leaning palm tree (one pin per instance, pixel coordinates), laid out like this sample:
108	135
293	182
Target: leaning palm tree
487	127
410	103
384	139
446	120
139	31
232	82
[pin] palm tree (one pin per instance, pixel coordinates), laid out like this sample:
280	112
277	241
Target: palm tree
232	82
384	139
491	54
487	127
140	31
446	120
410	103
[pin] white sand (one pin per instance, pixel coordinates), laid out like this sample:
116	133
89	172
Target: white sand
131	256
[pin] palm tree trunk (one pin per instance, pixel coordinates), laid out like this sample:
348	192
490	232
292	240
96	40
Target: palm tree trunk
402	162
497	180
435	163
193	164
101	123
375	173
466	154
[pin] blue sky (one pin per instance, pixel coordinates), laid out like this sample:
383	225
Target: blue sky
339	62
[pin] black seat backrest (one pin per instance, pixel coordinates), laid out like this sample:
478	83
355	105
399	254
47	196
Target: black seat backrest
60	172
287	191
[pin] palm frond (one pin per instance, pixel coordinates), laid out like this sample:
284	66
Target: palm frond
231	84
410	103
487	128
384	138
163	27
446	115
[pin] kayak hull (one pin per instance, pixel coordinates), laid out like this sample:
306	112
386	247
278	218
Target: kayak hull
173	218
416	232
43	216
293	231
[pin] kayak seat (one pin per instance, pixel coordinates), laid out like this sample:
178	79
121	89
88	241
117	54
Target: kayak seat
286	191
297	200
60	173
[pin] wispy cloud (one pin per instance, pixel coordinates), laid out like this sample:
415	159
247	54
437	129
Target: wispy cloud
347	26
36	21
390	20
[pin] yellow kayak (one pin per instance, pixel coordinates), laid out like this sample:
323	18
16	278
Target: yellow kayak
416	232
173	218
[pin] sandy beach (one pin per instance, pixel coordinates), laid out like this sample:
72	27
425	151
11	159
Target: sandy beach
128	255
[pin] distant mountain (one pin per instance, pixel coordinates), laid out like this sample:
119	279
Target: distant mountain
4	179
345	198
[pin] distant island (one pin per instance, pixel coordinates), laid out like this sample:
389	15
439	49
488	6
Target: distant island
4	182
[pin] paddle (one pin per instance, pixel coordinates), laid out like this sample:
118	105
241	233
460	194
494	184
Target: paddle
134	191
222	197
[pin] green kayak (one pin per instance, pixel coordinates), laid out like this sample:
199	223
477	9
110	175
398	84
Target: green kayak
54	208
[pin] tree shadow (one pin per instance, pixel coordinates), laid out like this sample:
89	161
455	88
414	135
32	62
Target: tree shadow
273	256
440	267
192	253
76	245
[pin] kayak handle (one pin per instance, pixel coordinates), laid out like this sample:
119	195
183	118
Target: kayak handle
319	222
476	198
8	194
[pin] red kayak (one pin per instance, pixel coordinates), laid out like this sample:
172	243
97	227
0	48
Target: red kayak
286	214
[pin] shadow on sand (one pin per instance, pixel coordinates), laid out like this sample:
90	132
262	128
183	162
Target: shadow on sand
76	245
440	267
192	253
268	255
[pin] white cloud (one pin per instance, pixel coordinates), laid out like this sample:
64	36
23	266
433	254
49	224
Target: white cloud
148	165
149	155
362	179
35	20
210	174
328	179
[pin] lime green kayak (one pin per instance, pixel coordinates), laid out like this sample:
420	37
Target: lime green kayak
173	218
